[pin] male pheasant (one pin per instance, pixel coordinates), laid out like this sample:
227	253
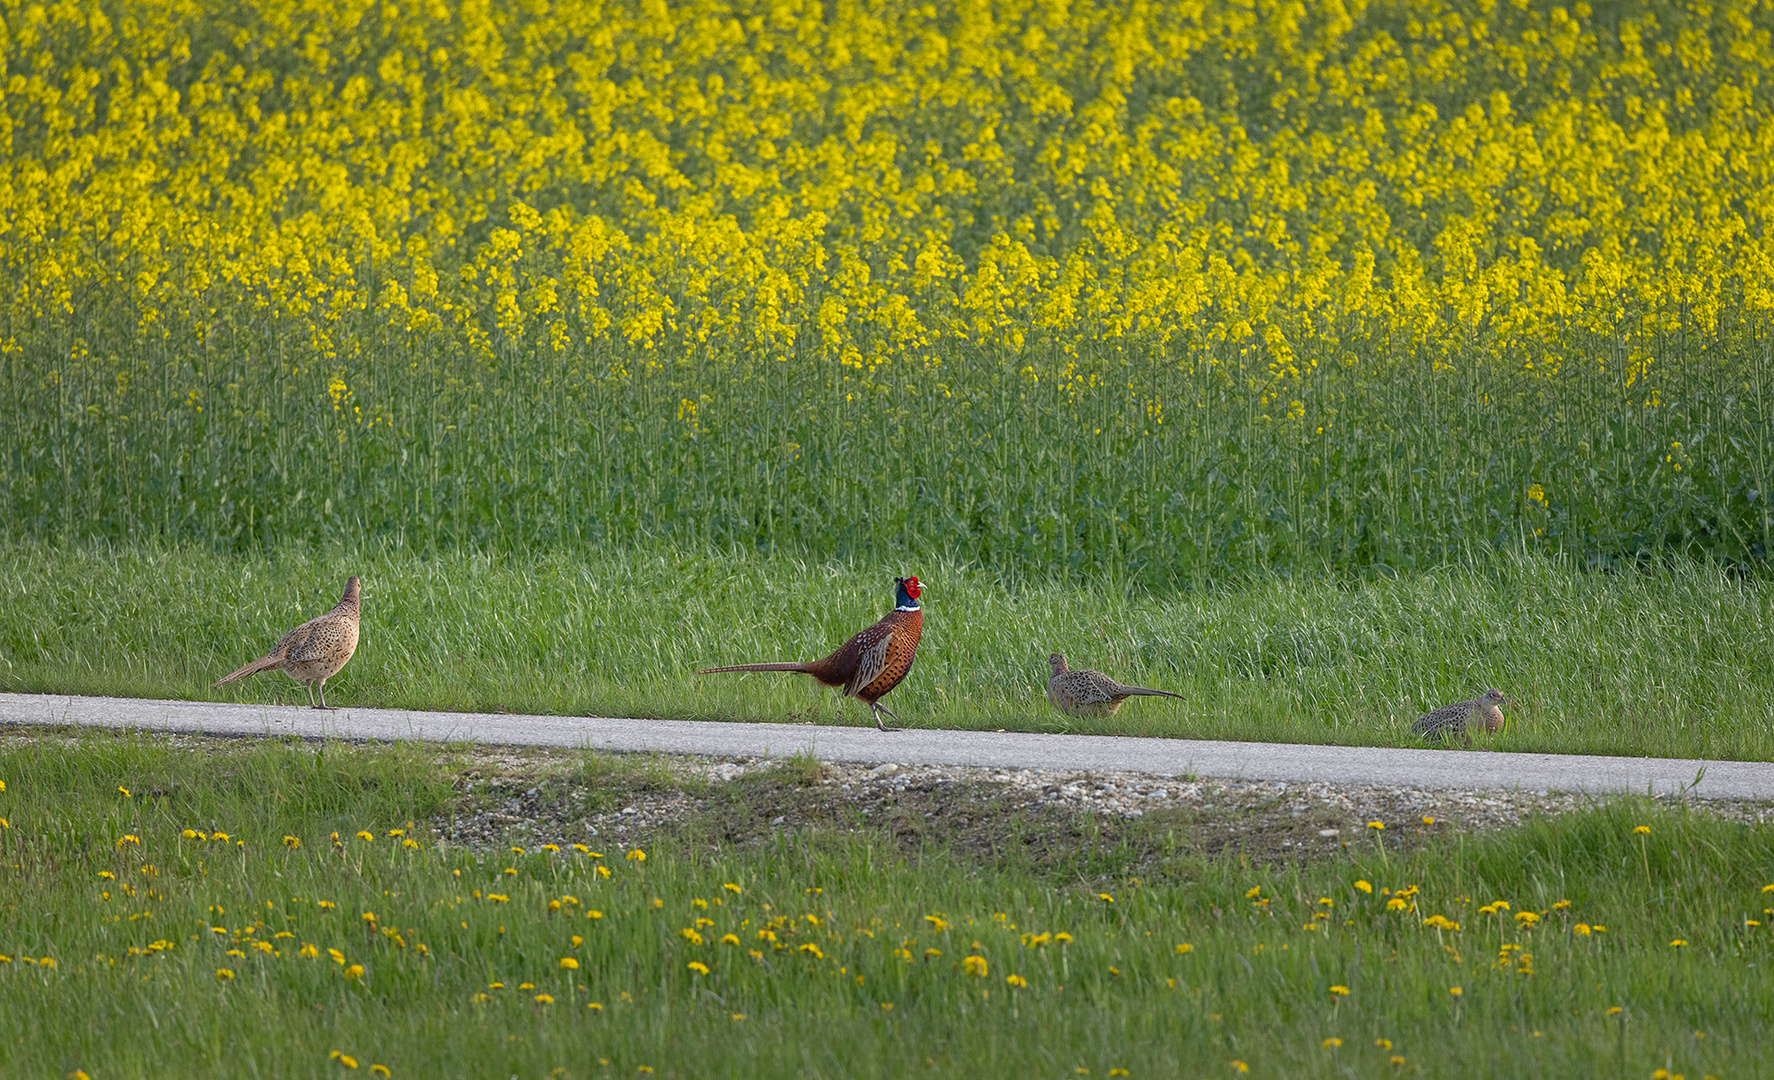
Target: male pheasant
1090	693
315	651
869	664
1455	720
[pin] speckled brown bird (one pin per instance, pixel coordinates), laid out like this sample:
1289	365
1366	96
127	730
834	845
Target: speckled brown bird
1458	720
315	651
869	664
1090	693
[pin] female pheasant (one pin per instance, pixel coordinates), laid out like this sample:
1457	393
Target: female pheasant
315	651
869	664
1458	720
1090	693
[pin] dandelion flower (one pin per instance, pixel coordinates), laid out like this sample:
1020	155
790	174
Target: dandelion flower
1340	991
1062	937
1239	1066
975	966
1677	943
1427	820
570	964
363	835
292	842
1396	1059
355	971
1376	824
224	974
379	1070
594	1006
729	939
636	855
1185	947
1642	830
1331	1043
1105	898
698	967
1384	1044
1364	886
738	1016
1455	991
732	888
346	1060
544	999
1016	980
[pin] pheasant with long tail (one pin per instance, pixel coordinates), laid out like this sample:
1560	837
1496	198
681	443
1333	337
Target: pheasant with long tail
869	664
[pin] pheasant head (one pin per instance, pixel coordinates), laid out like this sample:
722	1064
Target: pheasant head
907	598
1058	660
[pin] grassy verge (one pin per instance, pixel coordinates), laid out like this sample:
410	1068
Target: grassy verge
205	920
1668	662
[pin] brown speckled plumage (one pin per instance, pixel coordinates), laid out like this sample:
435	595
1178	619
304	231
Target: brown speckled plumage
870	663
1458	720
1090	693
315	651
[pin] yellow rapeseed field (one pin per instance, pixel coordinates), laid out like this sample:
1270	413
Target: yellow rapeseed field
809	235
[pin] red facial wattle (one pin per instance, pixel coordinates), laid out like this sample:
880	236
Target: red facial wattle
913	588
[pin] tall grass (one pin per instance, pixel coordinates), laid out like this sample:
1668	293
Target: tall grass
1028	463
1667	661
132	948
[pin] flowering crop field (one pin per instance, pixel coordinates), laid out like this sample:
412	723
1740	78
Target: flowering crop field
1154	292
282	910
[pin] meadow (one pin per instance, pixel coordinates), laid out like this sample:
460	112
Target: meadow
279	909
1666	661
1148	294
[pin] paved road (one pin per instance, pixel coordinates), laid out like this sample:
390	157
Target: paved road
1175	757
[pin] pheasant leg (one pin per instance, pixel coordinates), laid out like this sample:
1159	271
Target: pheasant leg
880	708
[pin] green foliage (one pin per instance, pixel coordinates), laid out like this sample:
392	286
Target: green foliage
1666	661
140	920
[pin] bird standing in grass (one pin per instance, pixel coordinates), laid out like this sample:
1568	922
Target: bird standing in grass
1458	719
315	651
1090	693
869	664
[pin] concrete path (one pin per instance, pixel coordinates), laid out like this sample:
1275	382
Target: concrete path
1348	765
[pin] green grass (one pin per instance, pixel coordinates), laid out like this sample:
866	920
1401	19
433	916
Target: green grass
1255	985
1668	661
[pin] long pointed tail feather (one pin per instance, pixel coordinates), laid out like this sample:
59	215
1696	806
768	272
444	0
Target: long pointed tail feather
264	663
1140	691
800	666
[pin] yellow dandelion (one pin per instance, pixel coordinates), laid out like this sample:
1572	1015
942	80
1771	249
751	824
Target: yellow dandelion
224	974
569	964
636	855
1340	991
544	999
1331	1043
1016	980
698	967
975	966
